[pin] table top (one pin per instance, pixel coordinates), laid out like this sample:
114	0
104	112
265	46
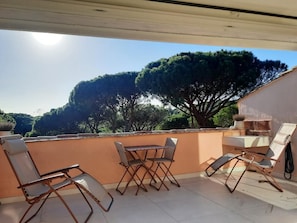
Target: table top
144	147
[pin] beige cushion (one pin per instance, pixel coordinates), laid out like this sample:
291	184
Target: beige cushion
281	138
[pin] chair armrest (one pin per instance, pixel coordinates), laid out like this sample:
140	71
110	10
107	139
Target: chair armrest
243	150
62	170
43	179
268	158
260	155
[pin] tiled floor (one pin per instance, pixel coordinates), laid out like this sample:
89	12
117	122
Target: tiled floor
197	200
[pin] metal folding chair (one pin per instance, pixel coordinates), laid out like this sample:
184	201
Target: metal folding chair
132	166
163	164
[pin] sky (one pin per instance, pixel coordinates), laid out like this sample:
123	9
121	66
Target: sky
36	77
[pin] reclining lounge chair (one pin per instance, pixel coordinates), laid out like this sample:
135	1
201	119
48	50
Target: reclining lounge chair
265	166
38	187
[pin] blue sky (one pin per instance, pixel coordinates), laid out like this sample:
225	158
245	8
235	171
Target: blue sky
36	78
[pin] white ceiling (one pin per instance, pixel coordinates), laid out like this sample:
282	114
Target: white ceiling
245	23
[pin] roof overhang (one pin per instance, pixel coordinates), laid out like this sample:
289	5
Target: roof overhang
254	23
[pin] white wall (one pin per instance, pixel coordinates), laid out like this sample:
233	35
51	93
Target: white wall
276	101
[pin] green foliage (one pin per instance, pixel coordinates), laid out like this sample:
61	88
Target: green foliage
106	103
147	117
24	123
107	99
7	122
175	121
58	121
224	118
4	117
200	84
197	84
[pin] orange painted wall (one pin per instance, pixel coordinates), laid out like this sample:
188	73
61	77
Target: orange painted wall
98	156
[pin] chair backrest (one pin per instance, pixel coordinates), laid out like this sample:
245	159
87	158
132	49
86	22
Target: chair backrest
279	143
22	164
122	153
171	144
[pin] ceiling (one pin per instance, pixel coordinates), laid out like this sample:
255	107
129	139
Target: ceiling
253	23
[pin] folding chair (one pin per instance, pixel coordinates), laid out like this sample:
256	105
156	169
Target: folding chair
269	160
38	187
132	166
164	163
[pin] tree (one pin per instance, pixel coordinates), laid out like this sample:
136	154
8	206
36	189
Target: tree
63	120
269	71
122	88
105	98
147	117
224	117
200	84
4	117
24	123
175	121
7	122
89	101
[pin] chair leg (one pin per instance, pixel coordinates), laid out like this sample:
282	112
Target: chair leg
271	181
106	209
168	173
118	186
238	180
79	187
142	179
155	174
32	216
127	184
69	210
64	203
135	175
90	206
132	178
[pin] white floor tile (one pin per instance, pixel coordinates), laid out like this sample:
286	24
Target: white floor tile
197	200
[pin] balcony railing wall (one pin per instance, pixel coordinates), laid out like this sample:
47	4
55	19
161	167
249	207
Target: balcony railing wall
98	156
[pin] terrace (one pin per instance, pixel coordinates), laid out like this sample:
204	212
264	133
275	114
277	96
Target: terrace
199	199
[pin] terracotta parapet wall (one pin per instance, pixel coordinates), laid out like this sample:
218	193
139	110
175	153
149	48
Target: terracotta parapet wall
97	155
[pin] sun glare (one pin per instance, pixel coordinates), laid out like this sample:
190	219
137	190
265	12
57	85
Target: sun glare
48	39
